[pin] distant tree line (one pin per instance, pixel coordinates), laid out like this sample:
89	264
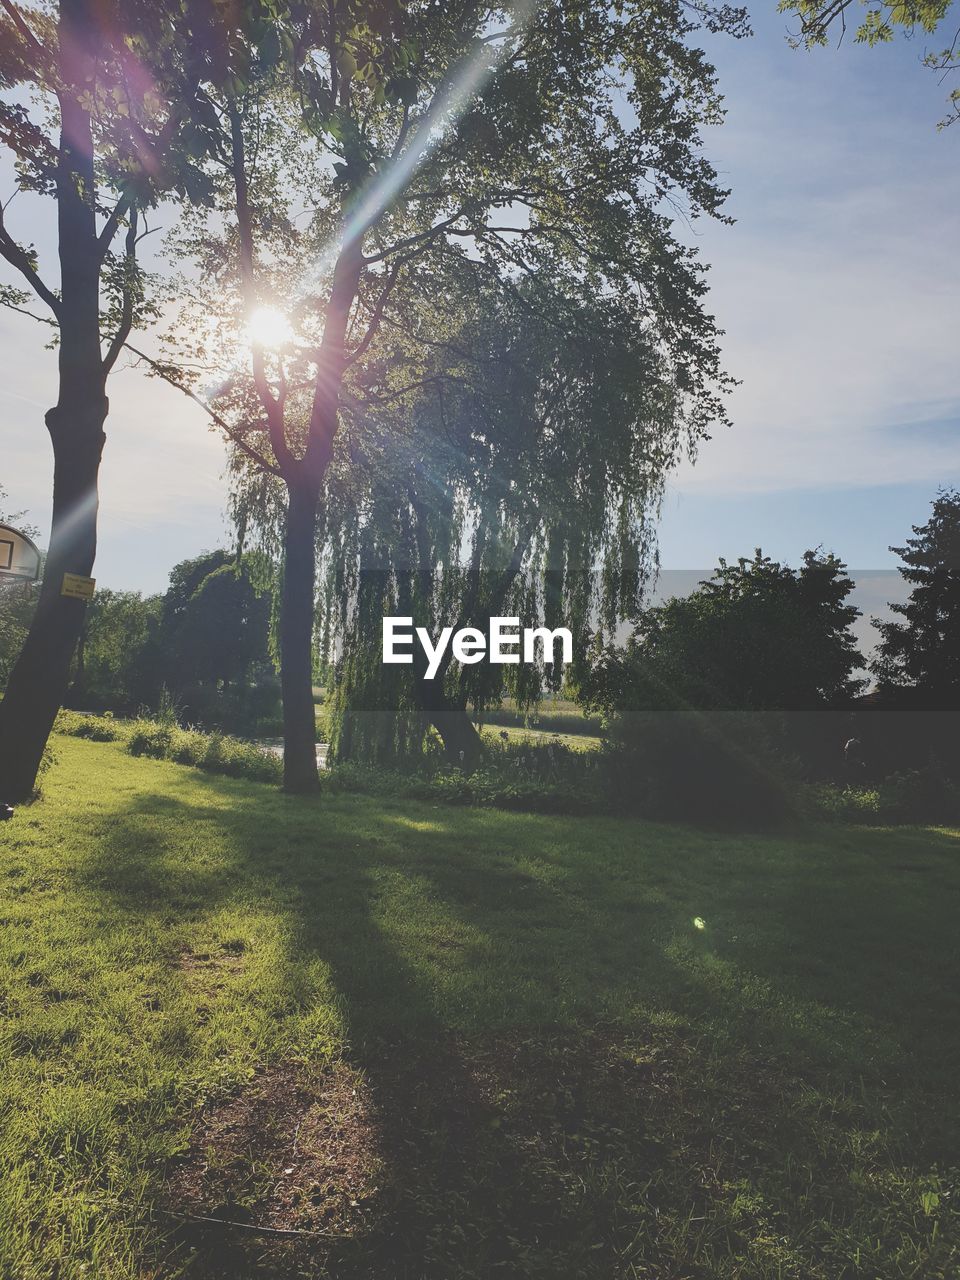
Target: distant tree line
202	647
759	664
756	676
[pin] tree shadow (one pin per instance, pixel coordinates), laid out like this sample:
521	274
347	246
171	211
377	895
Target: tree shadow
485	998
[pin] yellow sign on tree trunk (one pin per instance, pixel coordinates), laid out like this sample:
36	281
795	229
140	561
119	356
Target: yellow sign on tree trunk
77	587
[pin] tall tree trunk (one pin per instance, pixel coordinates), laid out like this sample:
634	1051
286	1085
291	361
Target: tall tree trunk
38	682
305	478
296	641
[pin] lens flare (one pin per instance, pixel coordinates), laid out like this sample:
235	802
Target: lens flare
450	102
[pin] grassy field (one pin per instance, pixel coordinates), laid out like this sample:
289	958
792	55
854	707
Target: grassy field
391	1040
517	733
553	715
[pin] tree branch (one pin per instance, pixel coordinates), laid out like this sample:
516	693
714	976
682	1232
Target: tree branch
376	319
19	22
117	214
409	241
18	257
126	312
163	371
31	315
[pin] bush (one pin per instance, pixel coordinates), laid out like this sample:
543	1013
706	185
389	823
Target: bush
718	766
150	738
915	795
844	804
542	777
163	740
920	795
669	766
97	728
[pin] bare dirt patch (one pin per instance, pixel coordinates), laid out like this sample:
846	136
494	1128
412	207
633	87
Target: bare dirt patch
221	960
286	1165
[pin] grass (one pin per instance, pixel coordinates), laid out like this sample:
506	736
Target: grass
538	737
464	1043
555	714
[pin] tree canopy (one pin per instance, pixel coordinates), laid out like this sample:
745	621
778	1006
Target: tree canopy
758	636
520	480
422	160
923	650
343	172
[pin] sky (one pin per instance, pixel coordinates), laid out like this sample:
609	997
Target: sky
837	288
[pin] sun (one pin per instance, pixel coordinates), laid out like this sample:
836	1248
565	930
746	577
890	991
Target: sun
269	328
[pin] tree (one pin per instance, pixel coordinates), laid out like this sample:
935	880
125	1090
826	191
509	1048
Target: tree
118	659
501	140
203	641
519	480
694	703
104	76
758	636
923	651
215	622
881	23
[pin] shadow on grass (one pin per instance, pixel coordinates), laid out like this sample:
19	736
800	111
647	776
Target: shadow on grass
566	1077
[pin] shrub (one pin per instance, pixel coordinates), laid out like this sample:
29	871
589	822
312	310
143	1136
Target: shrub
150	738
915	795
920	795
670	766
718	766
213	753
96	728
844	804
537	778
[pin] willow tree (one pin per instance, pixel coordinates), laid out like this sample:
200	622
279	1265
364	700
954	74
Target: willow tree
390	140
519	479
96	95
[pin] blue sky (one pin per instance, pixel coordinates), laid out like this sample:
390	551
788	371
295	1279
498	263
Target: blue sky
837	288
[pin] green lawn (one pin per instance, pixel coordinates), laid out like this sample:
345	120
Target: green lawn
552	715
466	1044
539	737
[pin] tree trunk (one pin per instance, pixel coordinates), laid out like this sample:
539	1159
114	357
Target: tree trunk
39	680
462	745
296	642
